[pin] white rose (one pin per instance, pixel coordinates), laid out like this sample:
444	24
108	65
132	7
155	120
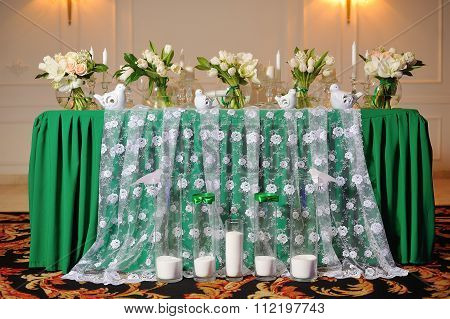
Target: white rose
215	61
176	68
232	71
409	58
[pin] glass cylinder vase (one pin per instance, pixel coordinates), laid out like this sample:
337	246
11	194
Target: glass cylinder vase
80	98
159	97
265	244
204	257
234	250
236	97
303	245
304	98
386	94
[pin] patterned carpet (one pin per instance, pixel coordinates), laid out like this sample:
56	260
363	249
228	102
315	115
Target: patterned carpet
17	281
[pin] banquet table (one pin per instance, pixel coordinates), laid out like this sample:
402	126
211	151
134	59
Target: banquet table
64	183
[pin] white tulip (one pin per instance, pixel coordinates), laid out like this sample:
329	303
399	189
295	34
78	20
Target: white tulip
212	72
149	55
176	68
302	67
167	49
243	57
310	63
141	63
232	71
255	79
127	71
161	70
293	63
223	66
230	59
310	69
329	60
222	55
215	61
371	67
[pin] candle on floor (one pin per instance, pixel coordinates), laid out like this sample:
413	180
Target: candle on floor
265	266
205	266
304	267
169	268
233	253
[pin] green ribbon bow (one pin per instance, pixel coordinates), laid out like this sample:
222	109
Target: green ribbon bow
301	89
205	198
266	197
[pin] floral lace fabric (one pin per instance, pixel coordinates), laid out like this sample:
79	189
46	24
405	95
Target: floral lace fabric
234	154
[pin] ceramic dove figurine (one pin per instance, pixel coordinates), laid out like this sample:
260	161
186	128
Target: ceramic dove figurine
114	100
316	175
202	101
342	100
288	101
152	178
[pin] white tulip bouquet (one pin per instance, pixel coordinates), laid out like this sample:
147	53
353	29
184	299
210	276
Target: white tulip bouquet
388	67
306	66
152	65
234	70
68	73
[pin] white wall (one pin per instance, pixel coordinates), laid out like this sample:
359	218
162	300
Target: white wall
202	27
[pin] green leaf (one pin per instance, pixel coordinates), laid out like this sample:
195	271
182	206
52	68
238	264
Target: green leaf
204	62
407	73
150	44
169	57
318	63
42	75
133	77
100	68
130	59
296	50
242	81
202	67
151	74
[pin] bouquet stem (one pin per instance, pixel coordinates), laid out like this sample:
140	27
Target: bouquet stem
383	94
80	100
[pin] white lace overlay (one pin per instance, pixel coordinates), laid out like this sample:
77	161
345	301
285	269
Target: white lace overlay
137	221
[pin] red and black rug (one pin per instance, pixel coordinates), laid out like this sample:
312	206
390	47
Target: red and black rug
17	281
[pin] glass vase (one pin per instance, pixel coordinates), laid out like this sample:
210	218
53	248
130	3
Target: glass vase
386	94
160	98
80	98
204	257
236	97
304	98
234	251
265	244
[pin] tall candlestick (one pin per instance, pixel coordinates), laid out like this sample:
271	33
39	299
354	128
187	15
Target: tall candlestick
182	58
105	57
366	76
91	51
354	60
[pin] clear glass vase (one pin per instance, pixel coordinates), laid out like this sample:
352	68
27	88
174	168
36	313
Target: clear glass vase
186	87
204	257
160	97
236	97
234	250
304	98
265	244
386	94
80	98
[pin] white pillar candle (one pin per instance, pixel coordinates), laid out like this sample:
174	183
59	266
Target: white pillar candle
105	57
182	58
354	60
304	266
168	267
278	61
270	72
91	51
265	266
366	56
233	253
205	266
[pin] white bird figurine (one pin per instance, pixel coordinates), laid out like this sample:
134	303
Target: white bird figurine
316	175
151	178
288	101
114	100
342	100
201	101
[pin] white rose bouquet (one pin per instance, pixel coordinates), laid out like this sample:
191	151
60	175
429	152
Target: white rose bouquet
388	67
152	65
234	70
68	72
305	67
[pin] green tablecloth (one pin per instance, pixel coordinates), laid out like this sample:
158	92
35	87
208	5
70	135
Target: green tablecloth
63	183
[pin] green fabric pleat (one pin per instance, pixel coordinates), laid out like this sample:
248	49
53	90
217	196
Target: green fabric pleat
64	181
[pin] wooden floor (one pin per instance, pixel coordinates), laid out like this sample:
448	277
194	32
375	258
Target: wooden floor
14	198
